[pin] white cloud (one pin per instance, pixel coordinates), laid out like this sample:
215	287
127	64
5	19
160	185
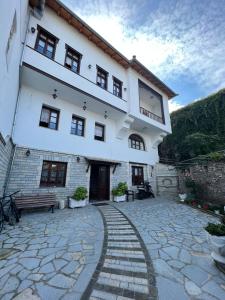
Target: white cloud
174	105
178	38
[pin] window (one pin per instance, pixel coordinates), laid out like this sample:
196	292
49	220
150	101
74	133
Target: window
137	175
53	173
46	43
102	77
72	60
99	132
49	118
77	126
117	87
151	103
136	142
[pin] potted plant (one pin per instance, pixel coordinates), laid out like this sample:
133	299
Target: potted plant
216	237
79	198
119	193
182	197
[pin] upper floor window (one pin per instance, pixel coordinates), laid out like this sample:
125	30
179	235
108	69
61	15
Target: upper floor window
137	175
136	142
151	103
49	117
99	132
117	87
46	43
102	78
53	173
72	60
77	126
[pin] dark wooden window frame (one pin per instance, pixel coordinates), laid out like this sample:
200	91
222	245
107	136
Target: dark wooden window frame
135	142
49	167
52	110
137	179
103	127
105	73
117	82
155	93
75	52
49	35
83	124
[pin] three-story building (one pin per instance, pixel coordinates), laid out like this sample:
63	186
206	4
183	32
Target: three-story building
85	115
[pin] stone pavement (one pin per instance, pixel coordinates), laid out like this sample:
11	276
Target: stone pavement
177	244
63	256
52	256
125	270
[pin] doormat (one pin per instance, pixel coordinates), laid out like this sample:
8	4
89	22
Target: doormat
99	204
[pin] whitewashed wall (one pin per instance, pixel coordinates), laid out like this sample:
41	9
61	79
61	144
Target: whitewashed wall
93	56
10	59
28	133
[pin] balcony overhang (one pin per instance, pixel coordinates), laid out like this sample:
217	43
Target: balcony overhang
46	83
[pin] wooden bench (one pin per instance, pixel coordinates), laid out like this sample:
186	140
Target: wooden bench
35	201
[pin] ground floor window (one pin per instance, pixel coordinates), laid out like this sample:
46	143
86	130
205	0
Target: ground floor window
137	175
53	173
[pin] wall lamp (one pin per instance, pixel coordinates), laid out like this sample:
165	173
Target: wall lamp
85	106
28	153
32	29
54	95
78	159
89	67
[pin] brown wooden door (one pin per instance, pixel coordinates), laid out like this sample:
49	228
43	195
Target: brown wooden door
99	182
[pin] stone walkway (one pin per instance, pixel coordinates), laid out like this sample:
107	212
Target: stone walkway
51	256
109	253
177	244
125	269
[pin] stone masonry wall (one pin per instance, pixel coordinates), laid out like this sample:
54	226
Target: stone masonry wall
26	173
166	180
5	154
210	176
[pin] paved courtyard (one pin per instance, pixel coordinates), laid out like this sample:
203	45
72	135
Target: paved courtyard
123	251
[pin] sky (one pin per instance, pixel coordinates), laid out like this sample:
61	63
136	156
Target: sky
180	41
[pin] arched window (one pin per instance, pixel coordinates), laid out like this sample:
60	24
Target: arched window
136	142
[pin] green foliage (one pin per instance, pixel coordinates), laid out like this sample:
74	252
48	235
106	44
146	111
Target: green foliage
216	229
198	129
216	156
120	190
80	193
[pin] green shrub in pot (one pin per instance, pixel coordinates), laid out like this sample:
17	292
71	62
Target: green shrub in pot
80	193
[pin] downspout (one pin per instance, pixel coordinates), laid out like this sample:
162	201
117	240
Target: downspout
38	13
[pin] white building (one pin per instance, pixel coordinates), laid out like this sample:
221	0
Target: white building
85	115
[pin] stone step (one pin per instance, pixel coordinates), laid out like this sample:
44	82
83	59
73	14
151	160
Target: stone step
128	263
124	292
125	248
97	294
122	234
120	247
128	240
125	258
128	273
133	267
126	244
125	253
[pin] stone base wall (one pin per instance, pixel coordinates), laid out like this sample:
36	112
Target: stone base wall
6	148
211	178
26	173
166	180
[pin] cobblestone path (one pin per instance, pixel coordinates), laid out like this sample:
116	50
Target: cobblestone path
125	270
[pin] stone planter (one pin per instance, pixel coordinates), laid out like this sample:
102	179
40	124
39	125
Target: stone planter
217	244
61	204
75	203
182	197
119	198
